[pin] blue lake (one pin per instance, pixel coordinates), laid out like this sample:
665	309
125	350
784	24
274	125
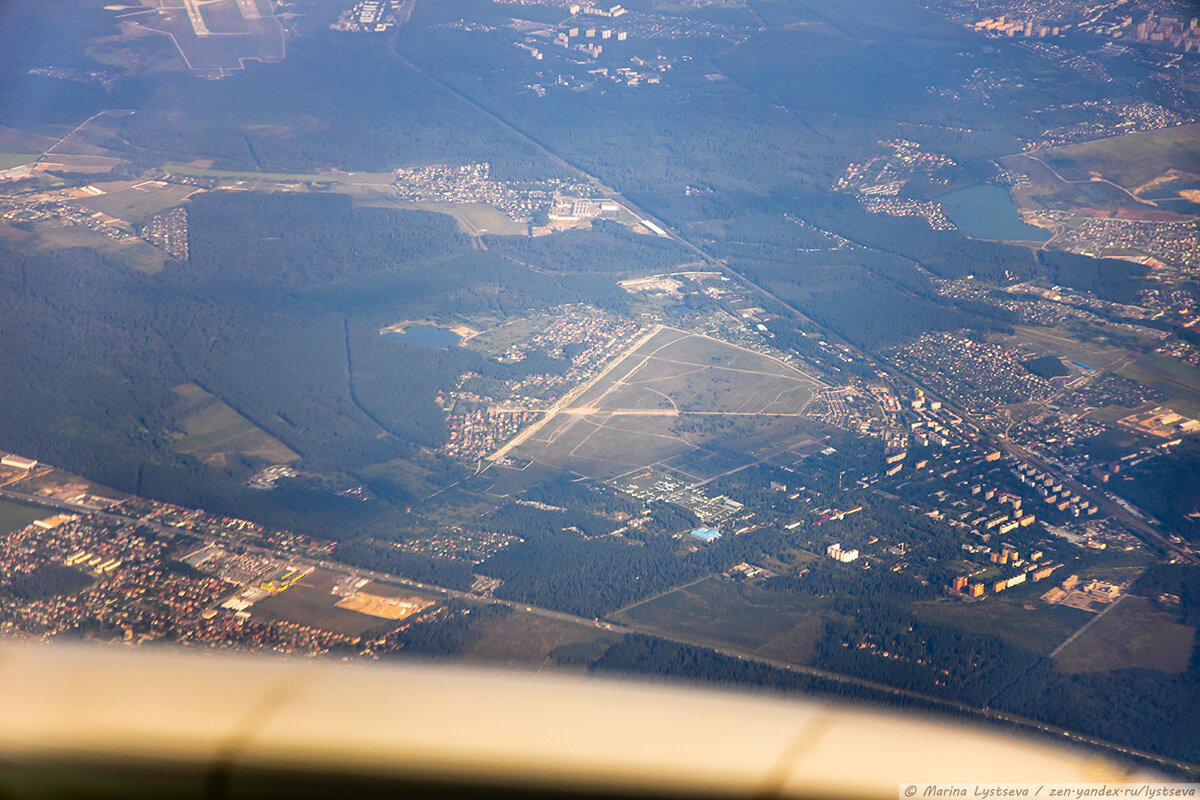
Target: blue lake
987	212
428	336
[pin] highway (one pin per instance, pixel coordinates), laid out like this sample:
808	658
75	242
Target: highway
1147	532
1138	525
847	680
560	616
562	404
741	655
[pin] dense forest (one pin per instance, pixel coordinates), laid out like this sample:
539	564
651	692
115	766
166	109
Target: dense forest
277	313
48	580
1142	707
663	659
1168	486
562	569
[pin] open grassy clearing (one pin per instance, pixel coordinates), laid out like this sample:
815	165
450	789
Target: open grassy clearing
138	254
1020	619
311	602
474	219
601	447
525	640
700	374
717	611
280	177
132	204
215	433
22	142
1133	635
14	515
1057	342
1131	160
9	160
1179	382
76	162
674	394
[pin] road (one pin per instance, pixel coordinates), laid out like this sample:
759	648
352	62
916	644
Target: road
78	128
612	193
1089	624
1116	186
741	655
45	502
622	629
1145	531
1137	525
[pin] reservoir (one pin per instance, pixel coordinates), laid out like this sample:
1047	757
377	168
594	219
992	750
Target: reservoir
987	212
427	336
14	516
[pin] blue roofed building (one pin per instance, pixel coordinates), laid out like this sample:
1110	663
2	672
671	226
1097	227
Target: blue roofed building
705	534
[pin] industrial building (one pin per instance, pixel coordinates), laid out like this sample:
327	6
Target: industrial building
705	534
18	462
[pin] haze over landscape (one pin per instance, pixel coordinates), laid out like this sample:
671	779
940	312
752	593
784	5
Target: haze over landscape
842	350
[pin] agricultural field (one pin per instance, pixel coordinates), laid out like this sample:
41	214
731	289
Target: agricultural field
526	640
1021	619
1131	161
1179	382
133	200
721	612
217	434
674	394
1133	635
14	516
